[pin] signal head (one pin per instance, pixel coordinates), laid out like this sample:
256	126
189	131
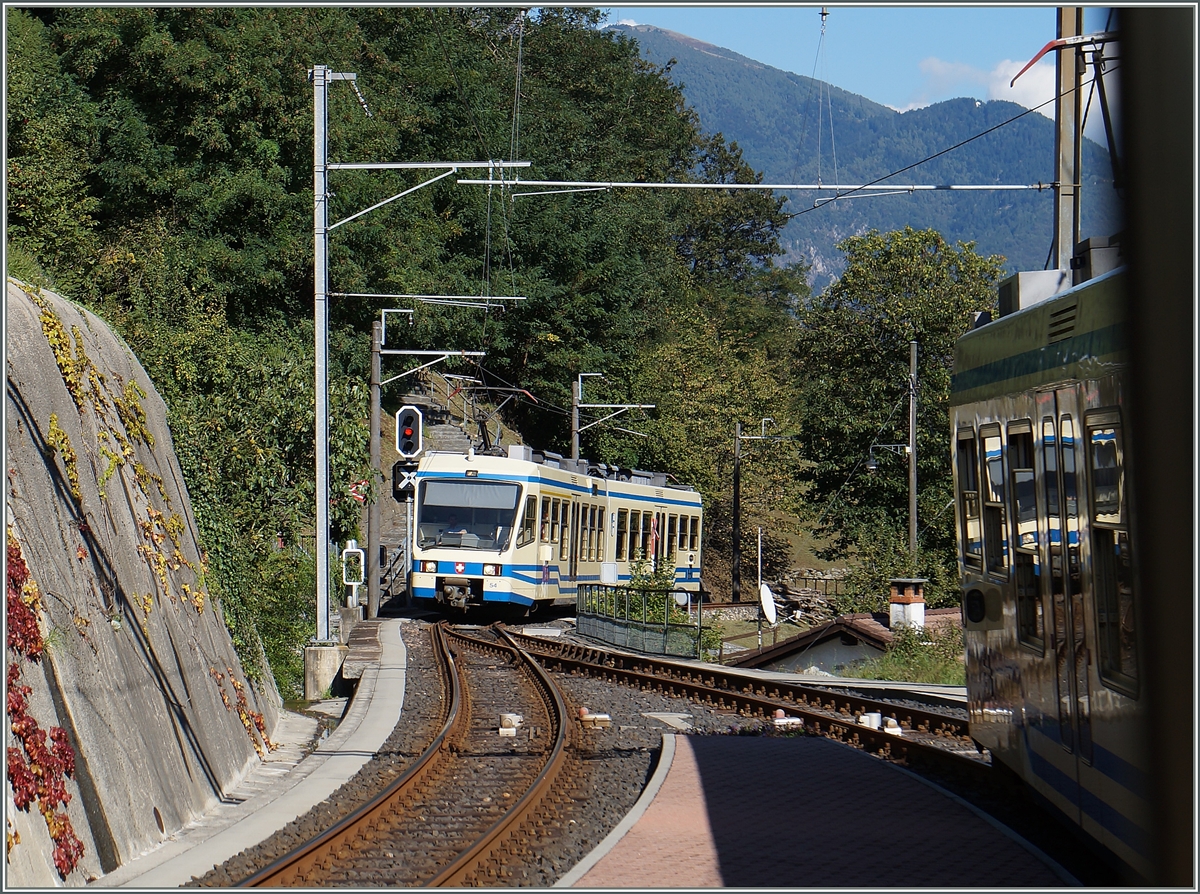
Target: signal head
408	432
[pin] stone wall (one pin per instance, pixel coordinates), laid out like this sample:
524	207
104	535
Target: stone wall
122	664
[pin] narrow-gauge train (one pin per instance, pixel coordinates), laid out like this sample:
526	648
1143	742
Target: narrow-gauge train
1055	682
524	530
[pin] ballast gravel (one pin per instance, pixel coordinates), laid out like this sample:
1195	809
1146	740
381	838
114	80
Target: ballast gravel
616	765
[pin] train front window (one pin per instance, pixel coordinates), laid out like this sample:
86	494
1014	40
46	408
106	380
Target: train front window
1116	622
468	514
968	488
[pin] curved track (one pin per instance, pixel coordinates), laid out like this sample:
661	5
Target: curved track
919	737
470	803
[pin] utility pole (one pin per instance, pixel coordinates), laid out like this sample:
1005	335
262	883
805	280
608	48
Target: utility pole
577	397
736	571
576	387
1067	137
374	511
321	76
912	449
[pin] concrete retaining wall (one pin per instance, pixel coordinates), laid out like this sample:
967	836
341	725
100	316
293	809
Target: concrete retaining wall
138	666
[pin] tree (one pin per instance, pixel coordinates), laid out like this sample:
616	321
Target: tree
852	362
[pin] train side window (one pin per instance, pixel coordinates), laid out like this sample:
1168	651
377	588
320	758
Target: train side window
592	534
622	534
600	534
694	534
1031	622
646	546
672	533
528	522
635	533
545	520
564	548
968	487
995	537
554	509
1116	627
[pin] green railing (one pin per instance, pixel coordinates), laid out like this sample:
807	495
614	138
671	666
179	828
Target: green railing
658	622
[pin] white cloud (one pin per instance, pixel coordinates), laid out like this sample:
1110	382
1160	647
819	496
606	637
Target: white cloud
630	22
1032	89
945	80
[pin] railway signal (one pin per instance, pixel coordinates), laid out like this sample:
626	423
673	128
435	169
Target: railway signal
408	432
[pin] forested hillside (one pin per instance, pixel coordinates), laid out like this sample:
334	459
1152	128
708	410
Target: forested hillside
160	173
772	115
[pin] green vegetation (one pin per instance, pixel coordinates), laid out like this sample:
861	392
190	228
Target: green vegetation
160	173
917	655
853	352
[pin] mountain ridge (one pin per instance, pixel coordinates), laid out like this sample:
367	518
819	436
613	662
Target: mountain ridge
771	114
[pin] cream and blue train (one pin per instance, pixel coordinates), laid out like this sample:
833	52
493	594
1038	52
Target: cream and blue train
1055	660
524	530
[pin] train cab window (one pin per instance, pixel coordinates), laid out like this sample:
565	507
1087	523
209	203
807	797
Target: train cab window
968	488
622	534
995	538
1113	568
528	522
1031	622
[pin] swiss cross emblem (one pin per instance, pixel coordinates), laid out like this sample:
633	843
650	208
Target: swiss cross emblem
459	567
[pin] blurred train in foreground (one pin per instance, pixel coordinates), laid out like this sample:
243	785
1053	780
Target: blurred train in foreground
524	530
1055	682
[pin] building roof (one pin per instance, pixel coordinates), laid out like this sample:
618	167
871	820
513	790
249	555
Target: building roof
868	628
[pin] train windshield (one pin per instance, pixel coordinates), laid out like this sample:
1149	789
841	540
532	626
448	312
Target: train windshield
466	514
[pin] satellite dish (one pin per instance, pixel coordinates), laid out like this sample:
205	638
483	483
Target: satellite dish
767	599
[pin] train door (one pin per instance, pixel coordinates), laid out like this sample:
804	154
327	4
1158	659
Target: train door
1063	582
576	532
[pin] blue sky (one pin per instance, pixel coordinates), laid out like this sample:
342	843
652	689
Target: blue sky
904	57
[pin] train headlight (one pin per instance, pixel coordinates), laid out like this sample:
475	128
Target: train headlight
429	567
491	570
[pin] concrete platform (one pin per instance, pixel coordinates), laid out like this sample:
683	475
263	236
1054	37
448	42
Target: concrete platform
292	780
733	811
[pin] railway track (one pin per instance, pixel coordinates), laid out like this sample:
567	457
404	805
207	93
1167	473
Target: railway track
473	803
918	736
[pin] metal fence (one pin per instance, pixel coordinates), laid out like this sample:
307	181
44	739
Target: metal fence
658	622
826	586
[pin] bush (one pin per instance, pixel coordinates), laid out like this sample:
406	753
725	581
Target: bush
918	655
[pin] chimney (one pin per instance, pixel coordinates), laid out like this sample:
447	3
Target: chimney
908	602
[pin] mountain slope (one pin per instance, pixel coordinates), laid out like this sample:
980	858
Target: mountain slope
773	117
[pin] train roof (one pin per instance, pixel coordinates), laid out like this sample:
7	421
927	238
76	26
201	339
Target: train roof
1077	334
535	461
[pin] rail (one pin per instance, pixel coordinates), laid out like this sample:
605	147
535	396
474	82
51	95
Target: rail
292	868
655	621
